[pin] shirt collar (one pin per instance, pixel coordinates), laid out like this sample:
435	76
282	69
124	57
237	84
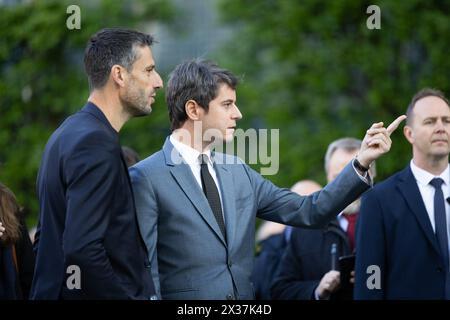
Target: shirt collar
189	154
424	177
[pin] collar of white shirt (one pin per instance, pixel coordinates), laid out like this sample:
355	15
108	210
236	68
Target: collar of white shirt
189	154
424	177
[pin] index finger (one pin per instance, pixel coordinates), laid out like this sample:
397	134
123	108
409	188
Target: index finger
395	124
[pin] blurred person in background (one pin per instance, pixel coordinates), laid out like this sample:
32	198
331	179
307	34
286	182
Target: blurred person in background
16	251
271	240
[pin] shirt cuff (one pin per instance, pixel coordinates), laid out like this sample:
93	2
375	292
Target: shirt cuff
366	178
316	295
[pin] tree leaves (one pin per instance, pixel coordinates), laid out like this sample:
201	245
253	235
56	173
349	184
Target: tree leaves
324	75
42	78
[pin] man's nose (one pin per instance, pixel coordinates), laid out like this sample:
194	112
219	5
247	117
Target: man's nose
158	82
237	113
440	126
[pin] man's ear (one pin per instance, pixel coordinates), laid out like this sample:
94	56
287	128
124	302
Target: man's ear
118	75
193	110
408	133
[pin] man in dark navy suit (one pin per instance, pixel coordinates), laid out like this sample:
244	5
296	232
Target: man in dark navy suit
88	244
402	234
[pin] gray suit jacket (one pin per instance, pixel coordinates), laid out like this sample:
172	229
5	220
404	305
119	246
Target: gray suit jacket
190	258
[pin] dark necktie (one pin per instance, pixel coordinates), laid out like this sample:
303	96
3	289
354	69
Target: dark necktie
351	218
440	222
211	193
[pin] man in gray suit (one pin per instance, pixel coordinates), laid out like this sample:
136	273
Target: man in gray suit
197	208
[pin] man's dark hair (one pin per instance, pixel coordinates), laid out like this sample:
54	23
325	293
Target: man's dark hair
426	92
197	80
112	46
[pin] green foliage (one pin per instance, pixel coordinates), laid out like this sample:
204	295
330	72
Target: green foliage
310	68
42	79
313	69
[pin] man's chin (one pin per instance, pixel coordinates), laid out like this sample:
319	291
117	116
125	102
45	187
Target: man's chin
228	136
228	139
142	112
440	154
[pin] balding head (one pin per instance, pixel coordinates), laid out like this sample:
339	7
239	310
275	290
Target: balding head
306	187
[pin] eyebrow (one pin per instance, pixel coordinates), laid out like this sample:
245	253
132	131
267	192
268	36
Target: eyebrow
434	118
228	101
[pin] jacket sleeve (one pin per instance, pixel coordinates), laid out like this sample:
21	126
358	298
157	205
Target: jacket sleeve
370	255
147	214
92	176
315	210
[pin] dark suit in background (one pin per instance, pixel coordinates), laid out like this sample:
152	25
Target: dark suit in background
87	215
267	263
394	233
307	259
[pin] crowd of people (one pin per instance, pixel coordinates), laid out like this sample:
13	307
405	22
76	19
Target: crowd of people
180	224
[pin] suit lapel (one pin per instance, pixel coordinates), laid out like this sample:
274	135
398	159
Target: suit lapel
407	186
182	174
229	200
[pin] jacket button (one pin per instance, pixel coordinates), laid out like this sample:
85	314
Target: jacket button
147	264
439	269
230	297
230	264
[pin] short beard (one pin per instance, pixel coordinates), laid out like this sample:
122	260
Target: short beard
135	102
136	111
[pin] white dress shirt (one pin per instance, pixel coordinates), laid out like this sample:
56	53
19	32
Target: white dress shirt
423	179
191	157
343	222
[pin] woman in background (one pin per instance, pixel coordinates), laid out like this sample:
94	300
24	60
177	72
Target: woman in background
16	252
